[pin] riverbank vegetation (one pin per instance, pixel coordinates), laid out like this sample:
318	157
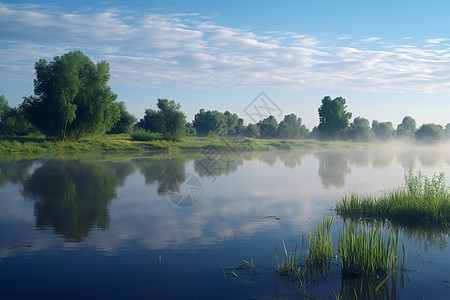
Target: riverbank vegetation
38	144
422	200
72	102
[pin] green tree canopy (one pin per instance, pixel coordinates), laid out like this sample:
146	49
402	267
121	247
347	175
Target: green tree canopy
333	117
168	120
210	123
359	130
72	97
429	133
406	128
382	130
14	123
4	106
253	131
268	127
232	122
447	131
292	128
190	129
126	121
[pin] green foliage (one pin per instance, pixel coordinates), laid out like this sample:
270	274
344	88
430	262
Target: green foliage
232	122
208	123
168	120
406	128
268	127
14	123
429	133
253	130
4	106
72	97
190	129
359	130
421	200
368	253
382	130
126	121
145	135
12	120
289	267
333	118
240	130
320	251
292	128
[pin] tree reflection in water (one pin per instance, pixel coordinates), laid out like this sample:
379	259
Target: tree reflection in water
163	172
73	196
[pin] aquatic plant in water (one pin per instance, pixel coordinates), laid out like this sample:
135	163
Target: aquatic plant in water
421	199
320	250
367	253
289	267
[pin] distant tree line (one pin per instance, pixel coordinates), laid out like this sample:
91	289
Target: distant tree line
72	99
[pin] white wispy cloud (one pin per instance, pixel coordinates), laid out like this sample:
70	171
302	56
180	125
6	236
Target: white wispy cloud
371	39
436	41
190	50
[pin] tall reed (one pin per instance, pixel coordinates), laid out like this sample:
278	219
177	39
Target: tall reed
367	253
320	250
421	199
289	267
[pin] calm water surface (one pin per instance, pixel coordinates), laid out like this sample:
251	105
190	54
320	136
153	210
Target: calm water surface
162	228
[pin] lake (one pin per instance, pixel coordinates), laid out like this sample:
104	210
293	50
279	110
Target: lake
188	226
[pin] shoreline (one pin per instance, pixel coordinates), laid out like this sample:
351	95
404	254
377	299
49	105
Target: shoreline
124	144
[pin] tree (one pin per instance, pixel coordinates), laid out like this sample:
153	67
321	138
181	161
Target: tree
333	117
232	122
240	128
210	123
359	130
126	121
406	128
429	133
447	131
190	129
15	123
72	97
382	130
291	128
4	106
268	127
253	131
168	120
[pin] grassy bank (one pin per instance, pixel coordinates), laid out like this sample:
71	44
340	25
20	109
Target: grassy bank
124	143
421	200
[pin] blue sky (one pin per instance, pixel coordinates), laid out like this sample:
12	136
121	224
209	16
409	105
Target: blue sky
387	59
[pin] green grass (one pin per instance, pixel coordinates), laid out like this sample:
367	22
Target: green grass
420	200
145	142
320	250
367	253
144	135
289	267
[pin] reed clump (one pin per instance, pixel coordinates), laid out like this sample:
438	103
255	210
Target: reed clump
367	252
320	250
289	267
421	199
